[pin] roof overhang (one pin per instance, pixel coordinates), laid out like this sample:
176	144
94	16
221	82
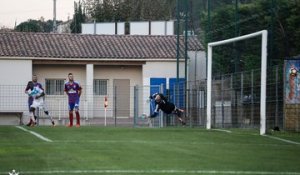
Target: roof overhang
96	61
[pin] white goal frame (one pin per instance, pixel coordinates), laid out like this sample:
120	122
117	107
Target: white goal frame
264	37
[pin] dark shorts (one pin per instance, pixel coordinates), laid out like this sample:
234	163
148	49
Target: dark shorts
73	105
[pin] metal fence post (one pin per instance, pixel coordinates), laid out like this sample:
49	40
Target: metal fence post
252	98
277	105
115	105
242	100
136	106
222	100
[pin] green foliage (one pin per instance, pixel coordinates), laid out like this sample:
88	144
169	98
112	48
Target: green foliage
36	26
280	18
130	10
78	18
29	26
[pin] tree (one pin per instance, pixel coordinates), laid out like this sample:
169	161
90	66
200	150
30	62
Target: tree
29	26
130	10
280	18
78	18
35	26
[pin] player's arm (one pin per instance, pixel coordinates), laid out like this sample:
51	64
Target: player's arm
79	90
153	96
40	86
28	86
41	95
155	112
26	90
66	91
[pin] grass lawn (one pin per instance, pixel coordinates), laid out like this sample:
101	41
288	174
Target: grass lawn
107	150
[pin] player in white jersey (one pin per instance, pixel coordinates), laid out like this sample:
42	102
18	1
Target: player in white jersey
38	102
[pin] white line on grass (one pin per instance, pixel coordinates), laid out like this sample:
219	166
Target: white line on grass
222	130
156	172
284	140
164	142
35	134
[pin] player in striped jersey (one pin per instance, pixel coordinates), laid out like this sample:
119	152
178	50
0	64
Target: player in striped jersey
73	90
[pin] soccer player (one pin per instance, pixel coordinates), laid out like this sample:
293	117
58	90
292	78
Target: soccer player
37	95
30	98
73	90
161	103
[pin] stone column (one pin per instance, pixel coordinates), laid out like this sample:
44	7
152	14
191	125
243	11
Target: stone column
89	91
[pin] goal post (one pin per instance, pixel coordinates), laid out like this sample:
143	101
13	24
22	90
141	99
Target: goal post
264	36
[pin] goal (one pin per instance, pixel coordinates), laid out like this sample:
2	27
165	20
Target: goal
263	34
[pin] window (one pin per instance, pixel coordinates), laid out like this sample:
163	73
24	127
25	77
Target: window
55	86
100	87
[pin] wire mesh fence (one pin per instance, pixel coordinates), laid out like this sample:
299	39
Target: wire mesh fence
235	102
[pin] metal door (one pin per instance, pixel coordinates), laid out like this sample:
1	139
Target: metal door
122	97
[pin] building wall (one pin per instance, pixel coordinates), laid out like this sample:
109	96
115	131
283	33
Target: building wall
15	72
19	72
197	65
139	28
136	28
133	73
162	27
59	71
106	28
58	104
64	28
14	76
156	69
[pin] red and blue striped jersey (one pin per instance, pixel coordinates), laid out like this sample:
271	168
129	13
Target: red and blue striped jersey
72	89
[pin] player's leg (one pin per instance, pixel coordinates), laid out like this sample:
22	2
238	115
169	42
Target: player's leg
46	111
77	113
33	107
30	101
179	113
32	117
50	117
71	108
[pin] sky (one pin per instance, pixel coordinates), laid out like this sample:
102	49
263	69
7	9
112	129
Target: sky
18	11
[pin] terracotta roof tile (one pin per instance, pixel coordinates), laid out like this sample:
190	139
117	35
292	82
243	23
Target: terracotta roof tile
20	44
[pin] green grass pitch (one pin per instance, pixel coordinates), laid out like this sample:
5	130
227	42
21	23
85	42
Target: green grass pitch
108	150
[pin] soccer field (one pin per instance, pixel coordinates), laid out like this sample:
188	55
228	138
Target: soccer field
107	150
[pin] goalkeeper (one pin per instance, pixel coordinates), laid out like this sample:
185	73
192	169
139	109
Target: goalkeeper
161	103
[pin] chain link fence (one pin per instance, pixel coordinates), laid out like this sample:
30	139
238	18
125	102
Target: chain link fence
235	102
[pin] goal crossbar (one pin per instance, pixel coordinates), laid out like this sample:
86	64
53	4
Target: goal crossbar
264	36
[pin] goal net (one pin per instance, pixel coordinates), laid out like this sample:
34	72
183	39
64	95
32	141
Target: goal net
226	94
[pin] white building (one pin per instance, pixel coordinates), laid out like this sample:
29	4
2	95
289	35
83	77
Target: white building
99	62
135	28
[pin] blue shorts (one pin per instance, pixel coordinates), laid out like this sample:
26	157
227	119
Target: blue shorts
73	105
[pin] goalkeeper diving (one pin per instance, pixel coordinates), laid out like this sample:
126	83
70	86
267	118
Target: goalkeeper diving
161	103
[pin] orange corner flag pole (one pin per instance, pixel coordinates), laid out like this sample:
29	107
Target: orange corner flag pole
105	109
